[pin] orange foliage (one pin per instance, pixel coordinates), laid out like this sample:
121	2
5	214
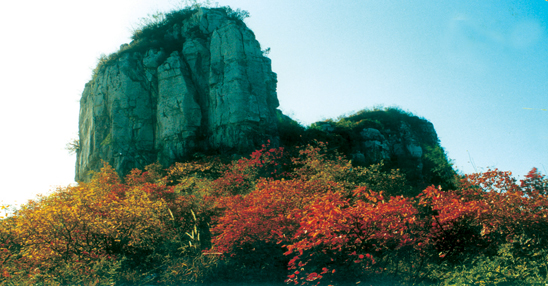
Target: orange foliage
93	222
331	234
266	214
314	214
352	230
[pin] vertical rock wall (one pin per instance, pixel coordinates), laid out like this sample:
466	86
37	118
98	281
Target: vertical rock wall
211	90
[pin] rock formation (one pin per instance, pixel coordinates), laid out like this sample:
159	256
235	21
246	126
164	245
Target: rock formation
401	145
196	85
397	138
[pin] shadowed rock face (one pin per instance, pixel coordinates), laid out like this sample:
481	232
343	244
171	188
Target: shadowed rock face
398	140
401	145
214	91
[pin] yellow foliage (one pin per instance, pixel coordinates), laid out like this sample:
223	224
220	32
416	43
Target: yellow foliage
84	225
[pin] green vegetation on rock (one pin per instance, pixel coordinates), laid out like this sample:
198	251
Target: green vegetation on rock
398	139
152	30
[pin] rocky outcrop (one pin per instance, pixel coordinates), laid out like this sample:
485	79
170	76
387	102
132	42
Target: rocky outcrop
203	84
398	139
405	144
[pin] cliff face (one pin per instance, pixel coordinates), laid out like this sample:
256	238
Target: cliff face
203	84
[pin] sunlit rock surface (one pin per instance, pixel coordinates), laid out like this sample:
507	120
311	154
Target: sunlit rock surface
205	86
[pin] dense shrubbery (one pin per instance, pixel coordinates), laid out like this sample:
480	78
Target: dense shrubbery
304	216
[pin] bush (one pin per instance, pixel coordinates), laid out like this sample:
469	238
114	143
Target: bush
303	215
505	268
95	228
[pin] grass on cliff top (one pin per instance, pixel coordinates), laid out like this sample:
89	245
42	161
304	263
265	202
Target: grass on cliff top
380	118
343	133
151	32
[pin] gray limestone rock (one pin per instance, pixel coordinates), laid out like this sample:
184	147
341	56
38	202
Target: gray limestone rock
372	134
209	87
402	145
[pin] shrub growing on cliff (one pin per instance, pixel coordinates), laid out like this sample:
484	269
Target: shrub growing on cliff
156	25
238	14
73	146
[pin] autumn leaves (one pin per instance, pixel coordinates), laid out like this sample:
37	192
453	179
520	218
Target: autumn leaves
303	216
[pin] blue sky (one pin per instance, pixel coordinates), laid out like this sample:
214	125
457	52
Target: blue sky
478	70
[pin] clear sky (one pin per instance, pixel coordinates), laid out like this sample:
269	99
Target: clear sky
478	70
